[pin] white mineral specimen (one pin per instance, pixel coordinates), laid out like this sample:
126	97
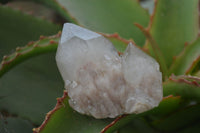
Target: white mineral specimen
99	81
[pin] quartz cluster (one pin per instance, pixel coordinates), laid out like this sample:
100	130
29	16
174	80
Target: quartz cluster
101	83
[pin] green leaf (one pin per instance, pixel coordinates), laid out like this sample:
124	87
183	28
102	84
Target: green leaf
29	89
15	125
44	45
187	61
105	16
178	120
174	23
187	87
168	105
63	119
17	29
138	125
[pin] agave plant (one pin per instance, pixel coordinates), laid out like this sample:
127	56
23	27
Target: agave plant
30	81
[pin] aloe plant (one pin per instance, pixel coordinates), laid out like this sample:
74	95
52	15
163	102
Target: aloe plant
30	81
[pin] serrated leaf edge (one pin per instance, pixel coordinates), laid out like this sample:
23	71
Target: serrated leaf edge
59	104
13	59
113	123
184	79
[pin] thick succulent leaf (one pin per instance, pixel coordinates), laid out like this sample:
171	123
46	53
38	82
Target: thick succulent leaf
168	105
138	125
178	120
105	16
187	61
28	90
63	119
44	45
187	87
15	125
17	29
173	24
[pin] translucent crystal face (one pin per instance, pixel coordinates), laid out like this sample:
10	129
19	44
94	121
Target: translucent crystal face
99	81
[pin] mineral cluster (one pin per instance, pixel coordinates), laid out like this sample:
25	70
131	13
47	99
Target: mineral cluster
101	83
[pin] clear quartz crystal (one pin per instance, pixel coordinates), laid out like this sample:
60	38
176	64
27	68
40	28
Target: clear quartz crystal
99	81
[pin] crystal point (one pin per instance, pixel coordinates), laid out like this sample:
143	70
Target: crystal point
71	30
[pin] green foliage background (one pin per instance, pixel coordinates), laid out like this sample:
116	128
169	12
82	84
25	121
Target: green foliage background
168	30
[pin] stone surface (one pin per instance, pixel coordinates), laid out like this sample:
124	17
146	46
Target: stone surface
99	81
